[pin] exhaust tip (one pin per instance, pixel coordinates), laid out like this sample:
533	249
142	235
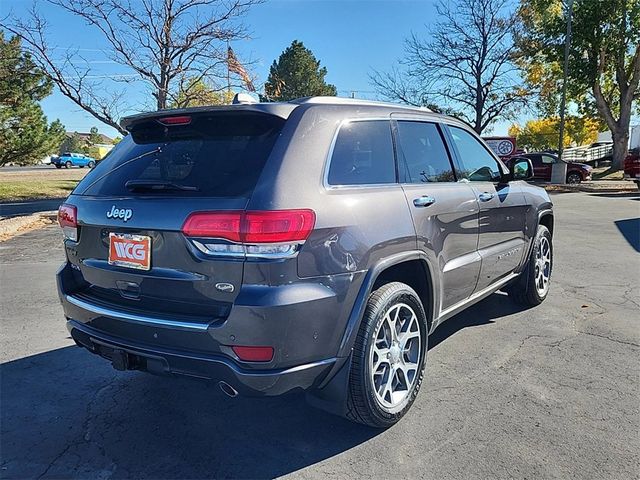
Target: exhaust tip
228	389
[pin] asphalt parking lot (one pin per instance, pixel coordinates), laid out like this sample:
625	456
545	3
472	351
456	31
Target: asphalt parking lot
550	392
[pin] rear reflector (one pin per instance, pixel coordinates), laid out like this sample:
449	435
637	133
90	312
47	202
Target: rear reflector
253	354
68	220
271	226
179	120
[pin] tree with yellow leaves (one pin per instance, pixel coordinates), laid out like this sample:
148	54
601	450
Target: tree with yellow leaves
542	133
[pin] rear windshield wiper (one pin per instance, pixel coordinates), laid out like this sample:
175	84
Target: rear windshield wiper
158	185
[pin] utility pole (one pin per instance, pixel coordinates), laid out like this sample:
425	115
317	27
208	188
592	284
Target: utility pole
228	73
563	99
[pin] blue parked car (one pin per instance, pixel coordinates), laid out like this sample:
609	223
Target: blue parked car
69	160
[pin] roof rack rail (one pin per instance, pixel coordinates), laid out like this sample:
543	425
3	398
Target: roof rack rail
323	100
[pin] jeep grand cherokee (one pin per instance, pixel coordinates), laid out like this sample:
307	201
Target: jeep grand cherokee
310	245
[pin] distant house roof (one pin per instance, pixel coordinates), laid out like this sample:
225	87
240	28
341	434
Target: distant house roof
85	137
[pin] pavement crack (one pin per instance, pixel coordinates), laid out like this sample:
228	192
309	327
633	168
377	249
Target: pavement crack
609	338
84	436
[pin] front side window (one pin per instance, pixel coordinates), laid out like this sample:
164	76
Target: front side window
423	157
475	163
363	154
536	160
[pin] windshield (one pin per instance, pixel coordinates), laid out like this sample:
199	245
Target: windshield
216	155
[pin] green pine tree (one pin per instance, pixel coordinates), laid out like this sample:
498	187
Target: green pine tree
94	136
25	134
297	74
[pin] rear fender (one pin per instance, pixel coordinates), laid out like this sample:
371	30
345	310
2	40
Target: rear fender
332	393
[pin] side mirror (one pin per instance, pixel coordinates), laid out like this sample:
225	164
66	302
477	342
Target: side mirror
521	169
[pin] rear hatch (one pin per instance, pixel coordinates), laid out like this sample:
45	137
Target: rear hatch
131	252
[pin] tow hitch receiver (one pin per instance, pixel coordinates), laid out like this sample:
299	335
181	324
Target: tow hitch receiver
120	359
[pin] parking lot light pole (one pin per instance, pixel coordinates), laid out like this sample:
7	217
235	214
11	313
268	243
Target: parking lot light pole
563	99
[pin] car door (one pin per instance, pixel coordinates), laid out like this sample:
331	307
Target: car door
547	166
501	239
444	211
541	170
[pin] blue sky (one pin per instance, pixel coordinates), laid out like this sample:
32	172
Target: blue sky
350	37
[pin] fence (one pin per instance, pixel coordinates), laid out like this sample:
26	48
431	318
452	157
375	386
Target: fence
587	154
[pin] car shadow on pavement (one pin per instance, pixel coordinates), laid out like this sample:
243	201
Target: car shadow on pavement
485	312
630	230
67	414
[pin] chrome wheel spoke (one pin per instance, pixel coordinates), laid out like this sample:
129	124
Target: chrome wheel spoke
381	356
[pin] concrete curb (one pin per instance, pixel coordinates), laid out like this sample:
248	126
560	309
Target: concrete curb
603	186
12	226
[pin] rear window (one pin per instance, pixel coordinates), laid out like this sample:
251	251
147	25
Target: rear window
216	155
363	154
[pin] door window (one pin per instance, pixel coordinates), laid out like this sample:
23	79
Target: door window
475	162
423	157
536	160
548	160
363	154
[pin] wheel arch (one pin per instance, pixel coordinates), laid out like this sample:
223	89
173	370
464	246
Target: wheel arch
330	395
412	268
546	218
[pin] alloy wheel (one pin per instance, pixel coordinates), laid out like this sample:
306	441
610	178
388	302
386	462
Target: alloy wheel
395	355
543	266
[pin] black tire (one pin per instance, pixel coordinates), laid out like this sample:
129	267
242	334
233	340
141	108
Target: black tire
363	405
58	166
524	290
574	178
91	164
68	164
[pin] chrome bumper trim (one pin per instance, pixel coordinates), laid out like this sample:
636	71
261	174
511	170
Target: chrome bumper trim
140	319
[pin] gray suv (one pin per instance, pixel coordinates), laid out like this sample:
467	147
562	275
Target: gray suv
310	245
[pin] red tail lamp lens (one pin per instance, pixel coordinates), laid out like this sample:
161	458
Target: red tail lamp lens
67	215
277	226
68	220
214	225
272	226
178	120
253	354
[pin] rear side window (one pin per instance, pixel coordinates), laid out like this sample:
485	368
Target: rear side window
423	157
215	155
363	154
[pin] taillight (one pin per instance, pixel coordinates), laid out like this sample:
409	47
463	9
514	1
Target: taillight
225	225
253	354
277	226
68	220
254	233
273	226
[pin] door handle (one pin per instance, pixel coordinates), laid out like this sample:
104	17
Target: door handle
424	201
485	197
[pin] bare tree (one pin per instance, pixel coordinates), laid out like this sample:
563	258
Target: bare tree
465	64
168	45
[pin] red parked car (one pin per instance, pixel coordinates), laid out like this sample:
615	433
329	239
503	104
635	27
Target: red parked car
632	166
543	164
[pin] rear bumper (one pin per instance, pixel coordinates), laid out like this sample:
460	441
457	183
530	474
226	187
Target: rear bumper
304	323
210	367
